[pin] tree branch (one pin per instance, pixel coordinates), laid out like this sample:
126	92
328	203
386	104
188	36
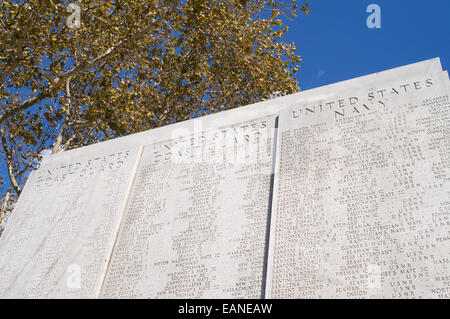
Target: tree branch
46	93
64	126
82	67
8	155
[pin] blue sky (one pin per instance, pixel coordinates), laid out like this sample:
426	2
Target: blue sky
336	44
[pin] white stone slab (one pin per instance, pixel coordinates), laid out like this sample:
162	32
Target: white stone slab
60	237
361	201
196	222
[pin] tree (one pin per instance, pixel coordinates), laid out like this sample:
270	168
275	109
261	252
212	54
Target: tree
131	66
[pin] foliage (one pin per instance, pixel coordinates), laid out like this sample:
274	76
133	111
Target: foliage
133	65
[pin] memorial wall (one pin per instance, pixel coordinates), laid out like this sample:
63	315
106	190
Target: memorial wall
361	196
337	192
